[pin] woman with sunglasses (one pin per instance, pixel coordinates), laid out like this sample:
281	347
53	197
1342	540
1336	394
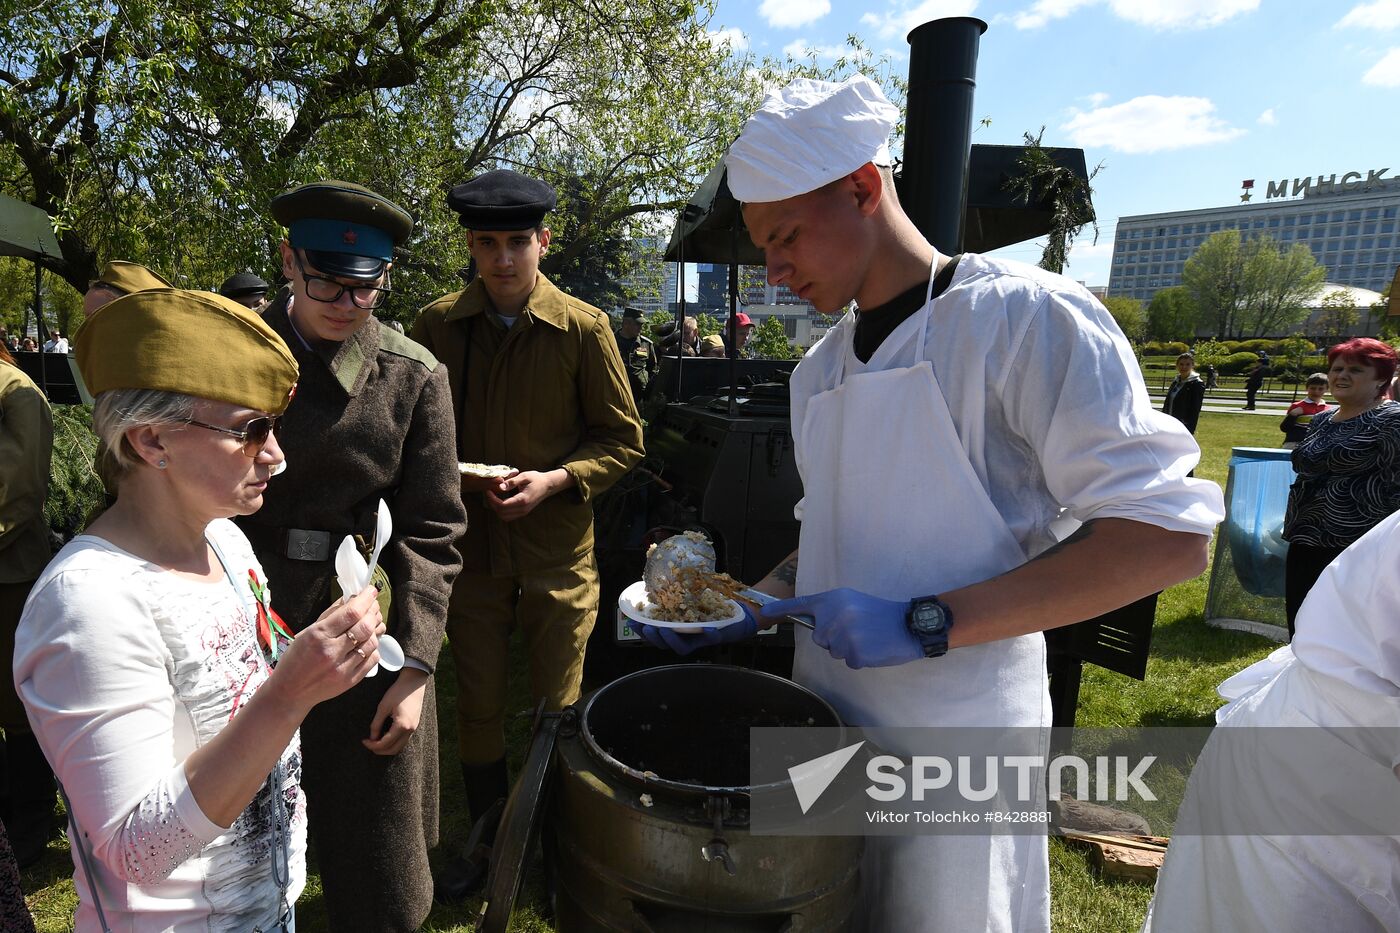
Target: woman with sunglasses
160	684
372	420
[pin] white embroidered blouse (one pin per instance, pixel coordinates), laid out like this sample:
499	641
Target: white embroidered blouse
125	669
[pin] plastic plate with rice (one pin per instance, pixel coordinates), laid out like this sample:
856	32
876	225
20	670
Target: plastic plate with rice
637	606
485	470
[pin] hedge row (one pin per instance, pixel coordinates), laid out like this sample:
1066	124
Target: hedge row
1176	347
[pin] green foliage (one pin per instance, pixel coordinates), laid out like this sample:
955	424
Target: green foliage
75	492
160	133
1210	353
1044	182
1172	315
707	325
1339	316
655	320
1237	364
1129	315
1251	286
62	304
769	341
1294	350
1171	349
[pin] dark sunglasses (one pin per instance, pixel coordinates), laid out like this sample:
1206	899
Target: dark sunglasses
253	436
320	288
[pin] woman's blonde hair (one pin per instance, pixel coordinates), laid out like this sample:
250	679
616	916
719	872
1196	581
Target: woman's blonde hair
119	410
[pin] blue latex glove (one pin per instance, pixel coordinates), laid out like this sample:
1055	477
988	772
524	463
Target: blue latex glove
683	643
860	629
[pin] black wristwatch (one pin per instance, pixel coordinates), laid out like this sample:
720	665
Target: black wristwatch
930	620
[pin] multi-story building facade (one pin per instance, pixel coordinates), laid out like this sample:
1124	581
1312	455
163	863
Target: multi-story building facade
1351	224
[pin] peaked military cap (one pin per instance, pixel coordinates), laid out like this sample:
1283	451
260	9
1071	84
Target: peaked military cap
632	313
127	277
345	228
502	200
194	343
243	283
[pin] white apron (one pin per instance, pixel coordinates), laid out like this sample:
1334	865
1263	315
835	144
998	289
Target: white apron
892	507
1338	882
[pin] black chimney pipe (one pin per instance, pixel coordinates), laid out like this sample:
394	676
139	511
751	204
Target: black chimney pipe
938	127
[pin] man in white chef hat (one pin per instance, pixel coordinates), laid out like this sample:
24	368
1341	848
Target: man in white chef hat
940	427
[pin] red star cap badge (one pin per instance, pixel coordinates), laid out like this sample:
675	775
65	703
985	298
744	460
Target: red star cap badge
349	236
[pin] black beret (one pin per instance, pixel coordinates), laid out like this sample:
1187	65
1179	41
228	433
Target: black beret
502	200
243	283
346	228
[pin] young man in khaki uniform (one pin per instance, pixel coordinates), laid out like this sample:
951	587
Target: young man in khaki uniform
538	384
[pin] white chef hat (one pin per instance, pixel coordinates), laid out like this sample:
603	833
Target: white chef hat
809	134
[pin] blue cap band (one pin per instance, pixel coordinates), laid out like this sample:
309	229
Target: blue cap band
341	236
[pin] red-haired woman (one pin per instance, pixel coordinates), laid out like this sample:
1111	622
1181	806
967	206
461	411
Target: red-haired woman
1348	465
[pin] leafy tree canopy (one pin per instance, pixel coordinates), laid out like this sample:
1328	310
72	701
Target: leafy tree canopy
1172	315
1129	315
1251	286
160	131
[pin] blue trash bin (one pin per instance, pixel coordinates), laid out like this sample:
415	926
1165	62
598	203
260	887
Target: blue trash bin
1247	574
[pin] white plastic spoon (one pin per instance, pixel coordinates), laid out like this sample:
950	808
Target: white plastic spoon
391	656
353	574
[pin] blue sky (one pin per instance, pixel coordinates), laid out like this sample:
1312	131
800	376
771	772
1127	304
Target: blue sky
1180	99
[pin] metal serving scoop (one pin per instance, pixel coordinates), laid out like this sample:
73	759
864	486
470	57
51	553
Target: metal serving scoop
671	555
679	552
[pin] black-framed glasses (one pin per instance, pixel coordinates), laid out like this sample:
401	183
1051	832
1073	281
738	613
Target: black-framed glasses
254	435
320	288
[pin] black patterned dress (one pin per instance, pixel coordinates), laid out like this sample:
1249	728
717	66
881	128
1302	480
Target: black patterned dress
1348	481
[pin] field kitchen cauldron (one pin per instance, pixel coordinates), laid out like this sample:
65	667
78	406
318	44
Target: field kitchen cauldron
640	793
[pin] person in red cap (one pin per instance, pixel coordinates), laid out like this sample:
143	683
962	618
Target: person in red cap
738	332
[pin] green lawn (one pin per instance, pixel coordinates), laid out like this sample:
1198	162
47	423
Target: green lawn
1188	659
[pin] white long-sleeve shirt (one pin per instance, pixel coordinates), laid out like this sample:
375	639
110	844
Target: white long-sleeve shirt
1048	402
125	669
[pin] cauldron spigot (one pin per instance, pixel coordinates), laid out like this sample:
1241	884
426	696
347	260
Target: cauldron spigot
717	850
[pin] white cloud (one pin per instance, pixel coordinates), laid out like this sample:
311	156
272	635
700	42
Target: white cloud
1097	98
1157	14
1268	118
801	48
1380	14
1150	124
1042	11
738	42
903	15
1386	72
1181	14
789	14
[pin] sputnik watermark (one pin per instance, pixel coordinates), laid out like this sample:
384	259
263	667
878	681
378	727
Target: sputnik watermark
1116	778
892	781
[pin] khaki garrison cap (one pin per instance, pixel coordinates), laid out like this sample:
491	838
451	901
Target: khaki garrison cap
194	343
128	277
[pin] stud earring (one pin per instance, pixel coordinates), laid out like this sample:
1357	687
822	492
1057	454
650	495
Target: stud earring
161	464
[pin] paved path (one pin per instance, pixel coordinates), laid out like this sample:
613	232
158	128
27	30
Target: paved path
1232	406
